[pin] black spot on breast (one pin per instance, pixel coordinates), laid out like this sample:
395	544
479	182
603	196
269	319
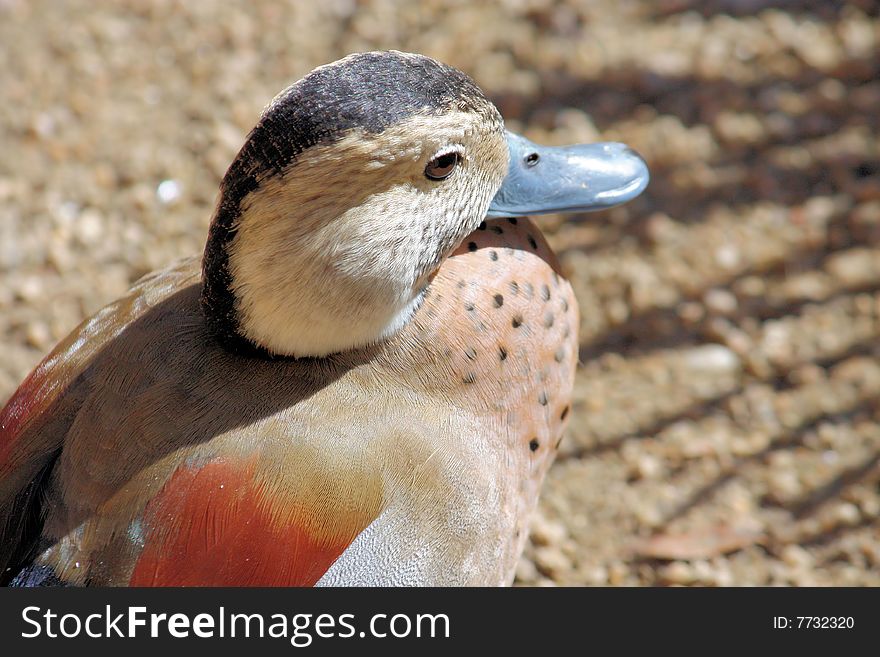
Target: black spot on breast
502	353
482	226
469	307
513	220
516	322
498	300
469	379
559	356
865	170
532	242
514	287
545	293
564	306
472	246
564	413
493	255
542	399
548	320
534	444
461	284
471	353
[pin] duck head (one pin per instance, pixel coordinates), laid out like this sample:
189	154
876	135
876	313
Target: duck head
355	185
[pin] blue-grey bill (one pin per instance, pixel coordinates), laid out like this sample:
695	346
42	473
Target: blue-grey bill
580	178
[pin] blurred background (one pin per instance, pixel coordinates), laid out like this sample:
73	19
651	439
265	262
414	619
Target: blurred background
726	424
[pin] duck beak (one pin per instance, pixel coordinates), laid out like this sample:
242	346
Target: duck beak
580	178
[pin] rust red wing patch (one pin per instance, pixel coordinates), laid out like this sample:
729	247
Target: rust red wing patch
214	526
32	397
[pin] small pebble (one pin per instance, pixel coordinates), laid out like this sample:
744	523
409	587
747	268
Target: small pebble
713	358
720	301
551	561
168	192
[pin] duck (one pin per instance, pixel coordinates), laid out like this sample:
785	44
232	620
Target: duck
361	382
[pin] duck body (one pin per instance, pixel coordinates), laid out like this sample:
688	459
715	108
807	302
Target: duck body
362	382
415	462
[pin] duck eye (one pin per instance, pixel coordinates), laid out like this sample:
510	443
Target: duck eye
532	159
441	166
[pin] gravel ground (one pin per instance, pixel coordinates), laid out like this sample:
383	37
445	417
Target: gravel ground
726	428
